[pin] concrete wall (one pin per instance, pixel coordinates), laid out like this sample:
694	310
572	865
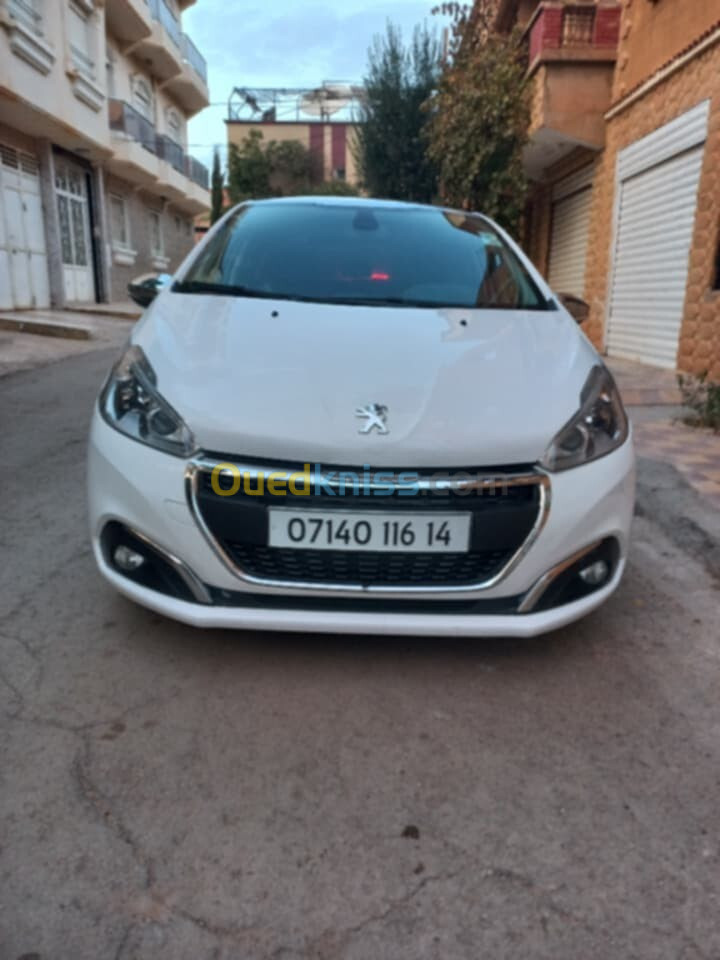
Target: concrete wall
571	98
177	229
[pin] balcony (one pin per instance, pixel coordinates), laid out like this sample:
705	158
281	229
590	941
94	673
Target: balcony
128	20
162	47
189	87
155	161
198	173
571	49
135	145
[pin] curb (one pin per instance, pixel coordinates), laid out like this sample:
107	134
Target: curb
667	499
45	328
96	310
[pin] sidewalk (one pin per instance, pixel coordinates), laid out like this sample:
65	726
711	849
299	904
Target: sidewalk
654	404
35	338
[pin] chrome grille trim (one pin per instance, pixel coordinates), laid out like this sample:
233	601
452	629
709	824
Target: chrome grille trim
200	464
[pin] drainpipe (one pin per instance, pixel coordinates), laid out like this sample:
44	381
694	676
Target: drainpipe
51	223
101	235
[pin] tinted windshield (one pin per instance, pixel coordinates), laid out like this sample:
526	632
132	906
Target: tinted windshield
363	254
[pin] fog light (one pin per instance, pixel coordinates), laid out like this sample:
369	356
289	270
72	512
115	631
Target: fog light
127	559
596	574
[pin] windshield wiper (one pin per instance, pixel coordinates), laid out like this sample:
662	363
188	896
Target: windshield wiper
219	289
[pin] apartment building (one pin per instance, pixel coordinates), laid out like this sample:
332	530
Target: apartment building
96	184
624	156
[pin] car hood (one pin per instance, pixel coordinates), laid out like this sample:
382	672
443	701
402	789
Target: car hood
284	380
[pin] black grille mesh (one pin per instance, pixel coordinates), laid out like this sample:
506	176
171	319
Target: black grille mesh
383	569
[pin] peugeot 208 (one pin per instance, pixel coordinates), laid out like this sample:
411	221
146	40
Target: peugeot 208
361	416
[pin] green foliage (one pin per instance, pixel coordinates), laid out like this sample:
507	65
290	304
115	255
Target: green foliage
334	188
249	169
290	167
702	397
479	117
257	170
391	144
217	186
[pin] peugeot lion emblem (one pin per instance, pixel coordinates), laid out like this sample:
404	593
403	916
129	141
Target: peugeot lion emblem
376	416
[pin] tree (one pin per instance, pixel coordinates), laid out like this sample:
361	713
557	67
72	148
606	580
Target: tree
479	117
391	142
217	189
290	167
274	169
249	169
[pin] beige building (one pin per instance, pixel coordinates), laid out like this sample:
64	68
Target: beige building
320	119
624	154
96	184
331	144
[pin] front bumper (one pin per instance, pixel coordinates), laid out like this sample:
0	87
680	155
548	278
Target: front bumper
145	490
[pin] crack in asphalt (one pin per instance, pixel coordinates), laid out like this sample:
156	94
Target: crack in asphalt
91	794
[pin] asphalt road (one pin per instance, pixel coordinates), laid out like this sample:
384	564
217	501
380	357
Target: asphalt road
170	794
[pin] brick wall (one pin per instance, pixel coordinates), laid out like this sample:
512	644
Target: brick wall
177	231
699	79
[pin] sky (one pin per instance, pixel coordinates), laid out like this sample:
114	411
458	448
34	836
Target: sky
284	43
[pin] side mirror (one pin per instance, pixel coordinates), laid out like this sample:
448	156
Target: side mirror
144	289
577	308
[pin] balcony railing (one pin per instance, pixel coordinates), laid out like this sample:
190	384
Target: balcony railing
193	56
161	12
198	172
25	13
573	26
126	119
168	149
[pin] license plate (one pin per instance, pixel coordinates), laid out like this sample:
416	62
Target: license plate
380	532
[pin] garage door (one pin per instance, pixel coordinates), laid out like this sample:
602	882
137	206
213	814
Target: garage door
569	231
568	243
656	218
23	257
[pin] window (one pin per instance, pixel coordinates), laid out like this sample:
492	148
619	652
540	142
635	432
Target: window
81	36
175	125
716	284
366	254
156	237
143	98
28	13
119	225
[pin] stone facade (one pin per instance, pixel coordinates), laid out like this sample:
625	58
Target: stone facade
697	80
668	61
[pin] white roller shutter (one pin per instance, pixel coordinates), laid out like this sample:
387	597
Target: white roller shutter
568	243
657	200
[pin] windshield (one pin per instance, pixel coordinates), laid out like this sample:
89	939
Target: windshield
362	254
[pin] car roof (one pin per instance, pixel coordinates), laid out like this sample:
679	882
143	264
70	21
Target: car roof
374	202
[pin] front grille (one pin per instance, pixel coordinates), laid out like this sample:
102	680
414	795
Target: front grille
502	520
368	569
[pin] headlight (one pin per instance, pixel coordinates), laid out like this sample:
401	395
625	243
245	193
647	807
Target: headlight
131	403
598	428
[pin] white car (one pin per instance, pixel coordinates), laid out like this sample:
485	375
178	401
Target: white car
361	416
